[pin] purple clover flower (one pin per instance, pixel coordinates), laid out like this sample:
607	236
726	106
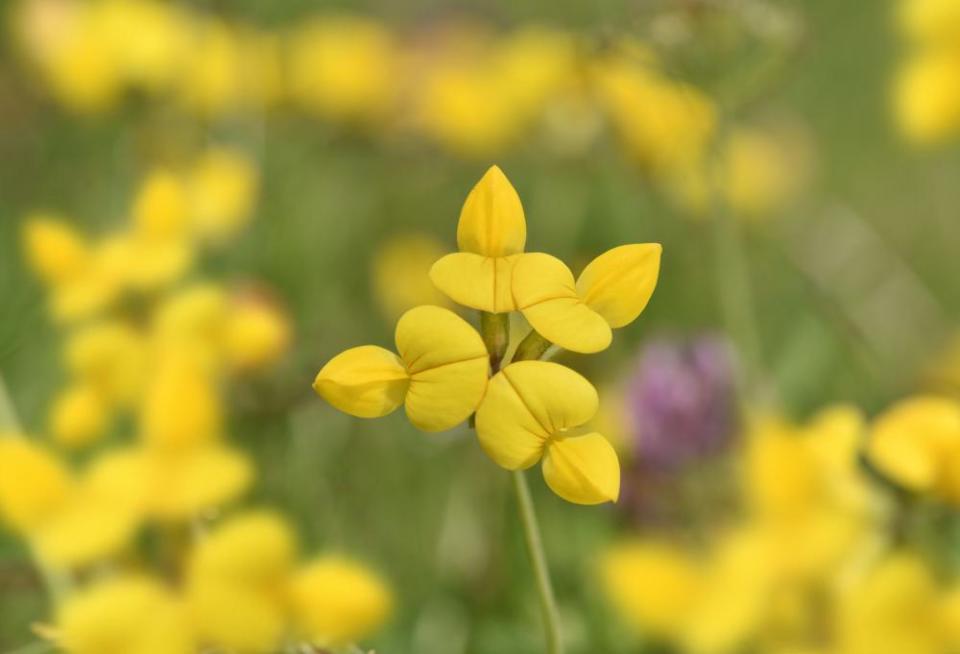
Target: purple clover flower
681	401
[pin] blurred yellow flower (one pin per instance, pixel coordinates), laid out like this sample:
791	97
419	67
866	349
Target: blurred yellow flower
124	615
399	273
182	407
927	95
89	527
665	125
916	443
257	333
525	416
344	67
337	601
223	185
33	483
440	374
760	170
893	610
109	356
187	484
78	417
491	233
213	82
80	284
236	582
653	585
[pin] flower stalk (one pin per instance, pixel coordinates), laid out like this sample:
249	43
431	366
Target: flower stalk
538	560
495	330
531	348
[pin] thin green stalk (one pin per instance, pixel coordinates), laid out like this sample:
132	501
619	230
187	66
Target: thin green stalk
8	413
531	532
495	329
736	299
533	347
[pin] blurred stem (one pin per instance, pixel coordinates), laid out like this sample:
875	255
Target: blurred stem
495	329
736	297
531	532
532	347
8	413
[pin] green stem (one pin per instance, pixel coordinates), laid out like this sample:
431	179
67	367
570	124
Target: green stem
8	413
495	329
736	299
531	532
532	347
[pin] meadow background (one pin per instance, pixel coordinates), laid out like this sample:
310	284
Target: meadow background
853	283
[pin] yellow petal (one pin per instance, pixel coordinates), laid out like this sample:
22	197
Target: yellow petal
526	404
447	363
491	221
336	601
476	281
366	381
545	292
582	469
618	284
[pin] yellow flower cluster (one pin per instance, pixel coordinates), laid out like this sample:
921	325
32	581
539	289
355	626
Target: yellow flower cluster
529	409
464	88
467	90
809	567
151	351
927	88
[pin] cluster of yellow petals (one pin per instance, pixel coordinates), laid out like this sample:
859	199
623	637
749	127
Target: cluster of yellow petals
173	213
810	517
529	410
916	444
463	86
927	86
161	371
244	590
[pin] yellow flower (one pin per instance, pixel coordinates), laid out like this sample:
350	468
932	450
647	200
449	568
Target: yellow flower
666	125
80	284
124	615
83	70
529	408
610	293
892	610
236	582
88	528
653	585
491	233
182	408
761	171
157	250
336	601
930	20
55	251
186	484
440	373
79	416
192	320
213	82
33	483
917	444
927	95
223	186
344	67
172	486
148	40
257	334
400	272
